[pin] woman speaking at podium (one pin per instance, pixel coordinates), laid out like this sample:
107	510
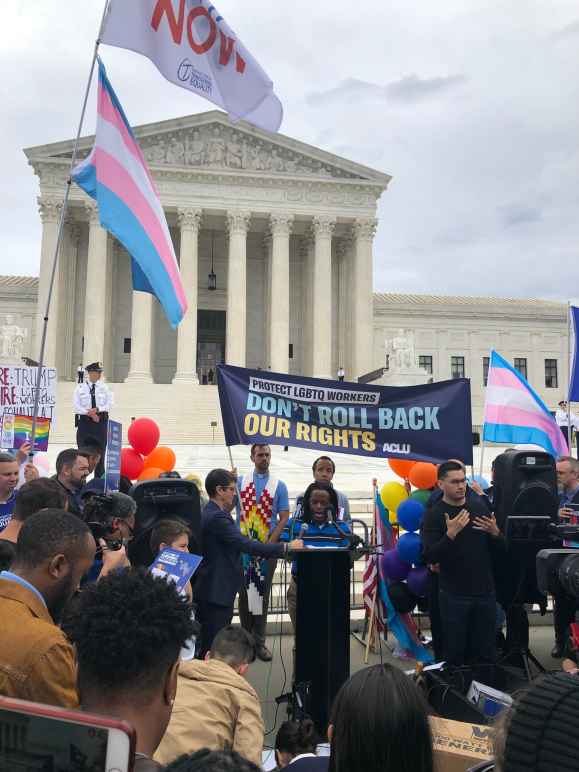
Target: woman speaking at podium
317	526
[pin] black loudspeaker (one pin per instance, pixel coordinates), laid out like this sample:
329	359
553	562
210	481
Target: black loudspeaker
164	499
525	483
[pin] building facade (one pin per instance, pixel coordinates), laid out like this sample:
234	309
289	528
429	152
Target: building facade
274	240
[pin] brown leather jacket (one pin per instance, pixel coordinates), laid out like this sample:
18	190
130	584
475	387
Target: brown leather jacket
37	662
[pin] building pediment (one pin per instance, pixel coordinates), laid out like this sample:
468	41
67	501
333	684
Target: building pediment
210	142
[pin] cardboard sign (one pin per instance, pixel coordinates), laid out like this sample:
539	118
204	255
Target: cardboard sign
459	746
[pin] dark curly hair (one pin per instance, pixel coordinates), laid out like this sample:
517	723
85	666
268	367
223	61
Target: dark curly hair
297	737
212	761
319	486
128	630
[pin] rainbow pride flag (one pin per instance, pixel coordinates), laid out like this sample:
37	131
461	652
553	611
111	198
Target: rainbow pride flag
17	431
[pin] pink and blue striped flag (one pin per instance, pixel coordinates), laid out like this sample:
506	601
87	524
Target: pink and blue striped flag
515	414
115	174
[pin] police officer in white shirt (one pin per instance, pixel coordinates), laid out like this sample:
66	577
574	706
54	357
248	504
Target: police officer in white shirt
92	402
562	419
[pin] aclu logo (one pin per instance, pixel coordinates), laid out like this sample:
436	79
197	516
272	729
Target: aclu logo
186	73
394	447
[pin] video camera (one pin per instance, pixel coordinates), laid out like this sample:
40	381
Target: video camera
101	509
558	569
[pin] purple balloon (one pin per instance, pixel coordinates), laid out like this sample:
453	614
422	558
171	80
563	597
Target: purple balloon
393	567
418	581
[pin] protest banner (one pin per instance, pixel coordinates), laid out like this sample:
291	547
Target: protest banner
18	387
431	422
113	456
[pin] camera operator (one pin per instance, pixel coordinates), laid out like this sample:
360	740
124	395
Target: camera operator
564	605
111	518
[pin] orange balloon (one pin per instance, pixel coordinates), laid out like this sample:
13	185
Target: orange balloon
401	467
423	475
163	458
150	473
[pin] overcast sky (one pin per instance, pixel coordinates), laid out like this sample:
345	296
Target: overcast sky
471	105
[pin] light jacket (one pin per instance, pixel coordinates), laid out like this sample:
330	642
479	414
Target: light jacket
37	662
214	708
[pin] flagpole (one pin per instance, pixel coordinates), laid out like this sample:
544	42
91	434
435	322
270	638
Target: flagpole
61	231
569	376
483	444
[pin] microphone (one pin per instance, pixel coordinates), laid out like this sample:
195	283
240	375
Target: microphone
303	529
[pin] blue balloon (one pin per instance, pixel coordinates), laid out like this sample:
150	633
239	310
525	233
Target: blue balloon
410	514
409	548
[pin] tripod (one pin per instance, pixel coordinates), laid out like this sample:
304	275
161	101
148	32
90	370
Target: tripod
518	652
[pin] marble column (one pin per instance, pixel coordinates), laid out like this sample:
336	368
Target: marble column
235	339
95	304
362	297
189	224
141	338
280	228
308	341
66	325
322	229
50	210
344	309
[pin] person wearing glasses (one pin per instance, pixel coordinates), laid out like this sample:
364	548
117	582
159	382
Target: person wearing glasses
220	576
459	533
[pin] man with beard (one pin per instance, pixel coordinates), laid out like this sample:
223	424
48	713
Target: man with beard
72	469
37	662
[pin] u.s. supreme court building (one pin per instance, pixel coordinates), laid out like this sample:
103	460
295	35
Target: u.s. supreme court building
275	245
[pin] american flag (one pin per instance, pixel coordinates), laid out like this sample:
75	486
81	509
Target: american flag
370	581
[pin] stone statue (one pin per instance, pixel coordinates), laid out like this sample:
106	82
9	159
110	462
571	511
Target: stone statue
234	154
216	149
12	339
176	152
400	350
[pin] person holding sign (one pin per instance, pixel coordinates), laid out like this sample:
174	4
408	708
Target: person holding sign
92	403
318	528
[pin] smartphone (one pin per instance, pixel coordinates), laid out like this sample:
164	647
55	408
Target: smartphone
44	737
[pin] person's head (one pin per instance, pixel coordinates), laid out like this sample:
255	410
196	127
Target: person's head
53	552
212	761
94	372
323	469
235	646
261	457
320	502
220	487
93	453
294	738
452	482
35	495
567	473
539	733
112	516
128	630
8	474
563	404
72	468
170	533
379	723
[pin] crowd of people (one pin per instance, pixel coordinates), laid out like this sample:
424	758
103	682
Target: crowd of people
82	628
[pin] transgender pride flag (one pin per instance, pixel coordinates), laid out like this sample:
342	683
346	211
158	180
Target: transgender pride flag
515	414
115	174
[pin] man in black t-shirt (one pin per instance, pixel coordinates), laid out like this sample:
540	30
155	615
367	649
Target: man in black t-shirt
459	535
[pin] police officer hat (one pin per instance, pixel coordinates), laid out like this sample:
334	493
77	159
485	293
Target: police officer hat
94	367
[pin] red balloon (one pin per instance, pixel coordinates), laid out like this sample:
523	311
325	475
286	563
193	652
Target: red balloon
131	463
423	475
144	435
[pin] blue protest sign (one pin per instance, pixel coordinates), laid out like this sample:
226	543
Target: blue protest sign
113	456
175	566
431	422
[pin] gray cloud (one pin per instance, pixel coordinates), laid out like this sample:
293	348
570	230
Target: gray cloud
407	90
566	32
519	214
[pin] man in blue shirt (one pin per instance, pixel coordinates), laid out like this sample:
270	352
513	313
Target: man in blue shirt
9	468
262	514
317	526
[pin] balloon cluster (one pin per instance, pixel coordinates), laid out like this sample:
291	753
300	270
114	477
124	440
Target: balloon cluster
402	566
145	459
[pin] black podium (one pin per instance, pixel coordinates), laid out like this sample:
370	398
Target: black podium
322	661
